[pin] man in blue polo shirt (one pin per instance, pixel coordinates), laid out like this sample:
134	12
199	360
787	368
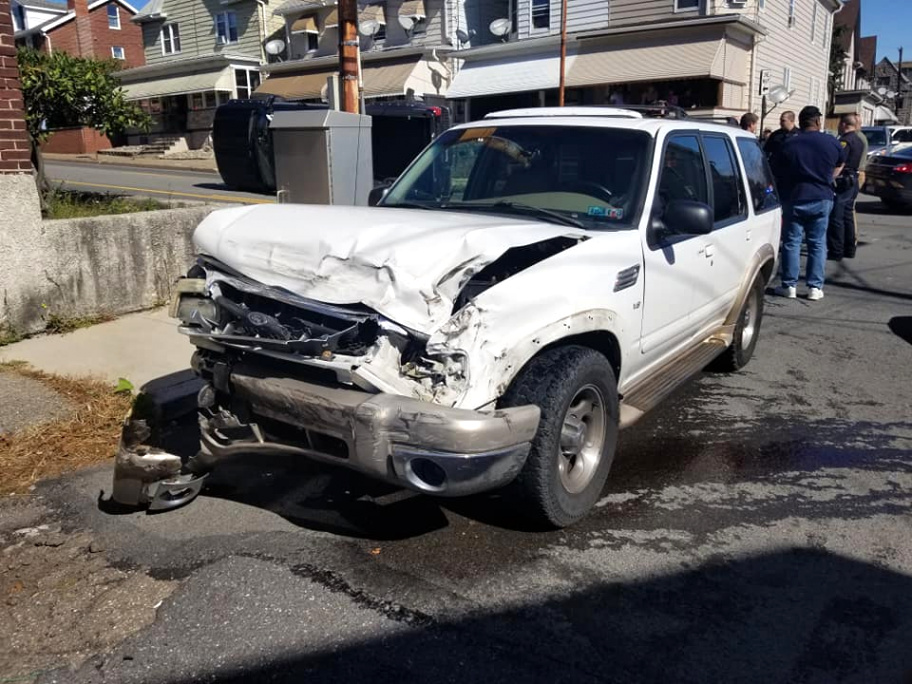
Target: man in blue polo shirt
811	161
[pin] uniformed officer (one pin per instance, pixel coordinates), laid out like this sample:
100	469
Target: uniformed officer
841	232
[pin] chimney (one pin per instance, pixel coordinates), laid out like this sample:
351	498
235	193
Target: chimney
80	7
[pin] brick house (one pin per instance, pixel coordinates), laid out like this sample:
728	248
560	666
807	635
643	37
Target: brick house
15	156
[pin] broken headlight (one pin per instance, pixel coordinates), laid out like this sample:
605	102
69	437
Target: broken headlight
191	303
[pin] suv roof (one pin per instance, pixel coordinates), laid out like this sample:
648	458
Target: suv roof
636	118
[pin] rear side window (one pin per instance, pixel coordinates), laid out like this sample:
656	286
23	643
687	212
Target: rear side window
728	190
683	174
759	178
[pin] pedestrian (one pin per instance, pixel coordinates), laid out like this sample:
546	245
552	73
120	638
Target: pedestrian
777	139
749	122
842	233
811	161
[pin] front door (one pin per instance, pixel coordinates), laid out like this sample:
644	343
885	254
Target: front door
676	266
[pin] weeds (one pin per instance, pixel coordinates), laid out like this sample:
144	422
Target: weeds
64	204
62	324
87	437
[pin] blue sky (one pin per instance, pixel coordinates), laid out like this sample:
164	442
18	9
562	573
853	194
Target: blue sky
891	22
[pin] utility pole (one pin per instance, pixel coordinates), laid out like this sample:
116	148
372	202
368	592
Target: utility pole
563	54
899	83
349	54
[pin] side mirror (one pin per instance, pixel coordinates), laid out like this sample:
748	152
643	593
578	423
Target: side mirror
377	194
687	217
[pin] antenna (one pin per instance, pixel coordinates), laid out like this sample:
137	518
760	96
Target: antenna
501	27
275	47
369	27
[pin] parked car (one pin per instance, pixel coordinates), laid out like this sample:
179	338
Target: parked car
531	284
243	144
890	179
883	139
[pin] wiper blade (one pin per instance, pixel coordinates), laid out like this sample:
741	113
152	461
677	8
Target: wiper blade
410	205
520	208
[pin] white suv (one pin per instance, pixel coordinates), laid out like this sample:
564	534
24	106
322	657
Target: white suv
532	283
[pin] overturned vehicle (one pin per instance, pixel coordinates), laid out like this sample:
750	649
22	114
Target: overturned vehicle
470	334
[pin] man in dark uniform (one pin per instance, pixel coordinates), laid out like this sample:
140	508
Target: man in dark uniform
841	236
773	145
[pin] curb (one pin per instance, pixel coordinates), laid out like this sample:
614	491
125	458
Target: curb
76	159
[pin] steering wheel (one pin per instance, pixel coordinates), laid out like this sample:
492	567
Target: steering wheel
587	188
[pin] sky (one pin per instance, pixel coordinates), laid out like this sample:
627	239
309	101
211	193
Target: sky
891	22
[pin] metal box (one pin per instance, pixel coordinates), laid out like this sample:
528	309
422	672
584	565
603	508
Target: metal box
323	157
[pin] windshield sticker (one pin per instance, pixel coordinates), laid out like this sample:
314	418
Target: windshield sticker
596	211
616	214
477	133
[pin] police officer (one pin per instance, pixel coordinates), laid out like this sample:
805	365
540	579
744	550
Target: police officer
841	235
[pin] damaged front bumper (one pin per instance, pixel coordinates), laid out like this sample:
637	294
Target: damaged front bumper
412	443
415	444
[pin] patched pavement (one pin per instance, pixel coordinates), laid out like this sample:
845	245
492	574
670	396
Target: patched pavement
758	527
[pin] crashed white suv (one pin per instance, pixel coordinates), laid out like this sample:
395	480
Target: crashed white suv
532	283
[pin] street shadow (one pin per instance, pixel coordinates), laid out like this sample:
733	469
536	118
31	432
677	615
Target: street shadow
797	615
902	327
873	206
221	187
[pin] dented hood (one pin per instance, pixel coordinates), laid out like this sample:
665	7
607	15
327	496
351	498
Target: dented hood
407	264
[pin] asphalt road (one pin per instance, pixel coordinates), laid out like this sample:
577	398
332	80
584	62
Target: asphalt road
757	528
160	183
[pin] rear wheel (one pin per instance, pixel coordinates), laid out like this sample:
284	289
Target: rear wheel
576	440
747	331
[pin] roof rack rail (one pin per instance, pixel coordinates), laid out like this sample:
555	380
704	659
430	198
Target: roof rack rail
658	110
727	120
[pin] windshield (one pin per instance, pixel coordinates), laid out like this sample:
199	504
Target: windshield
875	136
586	175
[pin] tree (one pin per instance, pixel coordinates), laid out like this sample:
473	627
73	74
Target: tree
62	90
837	63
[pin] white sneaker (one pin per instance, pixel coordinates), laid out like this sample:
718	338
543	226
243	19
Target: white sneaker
815	294
783	291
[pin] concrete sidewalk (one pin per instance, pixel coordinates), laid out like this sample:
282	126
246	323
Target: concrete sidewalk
139	347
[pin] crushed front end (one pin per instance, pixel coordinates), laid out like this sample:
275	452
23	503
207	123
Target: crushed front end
282	374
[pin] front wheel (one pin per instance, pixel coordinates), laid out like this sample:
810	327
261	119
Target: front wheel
576	440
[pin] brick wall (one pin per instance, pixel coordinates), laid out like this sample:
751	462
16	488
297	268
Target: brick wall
88	35
15	155
82	140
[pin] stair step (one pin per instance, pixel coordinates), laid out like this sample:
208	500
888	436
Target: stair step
646	395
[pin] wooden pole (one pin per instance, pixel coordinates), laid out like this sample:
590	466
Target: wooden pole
349	55
563	54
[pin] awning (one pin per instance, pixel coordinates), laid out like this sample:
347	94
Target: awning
181	85
332	19
413	8
658	59
375	12
845	108
380	80
512	74
885	114
305	24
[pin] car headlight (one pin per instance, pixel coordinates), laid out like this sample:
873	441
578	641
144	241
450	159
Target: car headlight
191	302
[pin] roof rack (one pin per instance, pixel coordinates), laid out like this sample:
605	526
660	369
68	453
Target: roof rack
658	110
726	120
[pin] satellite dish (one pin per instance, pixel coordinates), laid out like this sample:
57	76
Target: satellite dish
881	91
778	94
464	36
500	27
275	47
369	27
407	22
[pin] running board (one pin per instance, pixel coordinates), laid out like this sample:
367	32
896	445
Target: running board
646	395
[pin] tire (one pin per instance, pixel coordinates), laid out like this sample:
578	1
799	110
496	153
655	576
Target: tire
747	331
576	440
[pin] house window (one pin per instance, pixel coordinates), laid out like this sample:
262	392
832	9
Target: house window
210	100
814	23
18	17
170	39
791	19
541	14
312	41
419	27
246	81
226	28
113	17
686	5
117	52
381	33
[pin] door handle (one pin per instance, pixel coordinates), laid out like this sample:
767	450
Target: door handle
708	251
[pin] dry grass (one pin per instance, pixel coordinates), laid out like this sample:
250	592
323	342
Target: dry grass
89	436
